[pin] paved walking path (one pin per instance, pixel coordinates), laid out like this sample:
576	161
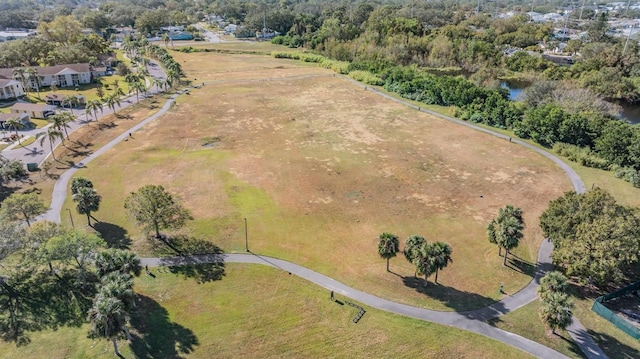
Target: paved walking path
471	320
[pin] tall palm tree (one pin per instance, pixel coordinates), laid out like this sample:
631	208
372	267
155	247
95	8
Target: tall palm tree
158	83
119	285
555	311
52	135
424	262
138	87
552	282
33	74
92	107
388	246
165	39
412	245
117	260
61	122
87	200
506	229
112	101
70	100
441	253
19	73
108	318
14	123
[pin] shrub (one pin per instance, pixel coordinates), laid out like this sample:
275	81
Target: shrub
366	77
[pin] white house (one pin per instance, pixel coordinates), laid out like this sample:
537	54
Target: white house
62	75
10	88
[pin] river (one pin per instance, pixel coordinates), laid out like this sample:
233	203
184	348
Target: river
629	112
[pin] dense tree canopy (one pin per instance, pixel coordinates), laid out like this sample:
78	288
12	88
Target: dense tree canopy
595	238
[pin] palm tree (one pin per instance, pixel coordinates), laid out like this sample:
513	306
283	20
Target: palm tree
441	253
424	262
506	229
33	74
14	123
87	200
108	318
411	247
120	286
138	87
165	39
61	122
94	106
19	73
555	311
52	134
69	100
388	246
112	101
158	83
552	282
117	260
80	182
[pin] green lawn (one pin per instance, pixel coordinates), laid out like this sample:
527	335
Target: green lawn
258	312
525	322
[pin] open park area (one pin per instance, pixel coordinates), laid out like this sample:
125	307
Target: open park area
317	166
320	167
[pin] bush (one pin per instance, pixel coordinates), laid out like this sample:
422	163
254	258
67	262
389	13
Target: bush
298	56
366	77
341	67
581	155
628	174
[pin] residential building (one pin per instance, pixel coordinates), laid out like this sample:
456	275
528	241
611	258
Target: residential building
32	109
55	99
62	75
10	89
24	119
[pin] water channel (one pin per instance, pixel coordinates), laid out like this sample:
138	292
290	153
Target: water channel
629	112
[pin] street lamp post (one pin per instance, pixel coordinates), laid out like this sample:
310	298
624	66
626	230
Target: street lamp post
71	217
246	235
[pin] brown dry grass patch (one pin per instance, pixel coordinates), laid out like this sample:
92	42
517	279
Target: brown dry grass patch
320	167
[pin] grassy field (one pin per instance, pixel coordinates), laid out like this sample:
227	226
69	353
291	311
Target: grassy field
286	317
222	178
320	167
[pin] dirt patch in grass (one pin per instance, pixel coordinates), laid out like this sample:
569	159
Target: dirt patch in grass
320	167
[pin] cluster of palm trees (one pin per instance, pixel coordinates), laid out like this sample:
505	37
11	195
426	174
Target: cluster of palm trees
506	229
427	257
140	46
115	300
58	131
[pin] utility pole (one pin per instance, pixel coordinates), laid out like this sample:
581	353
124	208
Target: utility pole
246	235
71	217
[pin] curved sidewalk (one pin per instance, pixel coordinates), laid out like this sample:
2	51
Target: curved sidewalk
60	188
461	320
